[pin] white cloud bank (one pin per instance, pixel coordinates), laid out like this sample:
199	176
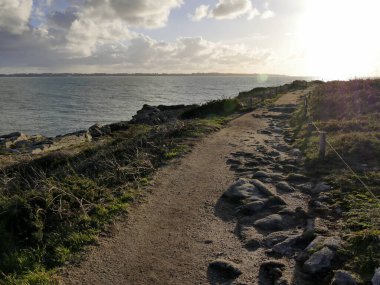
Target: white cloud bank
100	36
231	9
14	15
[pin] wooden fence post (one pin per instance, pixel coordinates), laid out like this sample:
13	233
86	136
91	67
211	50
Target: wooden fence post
305	107
322	144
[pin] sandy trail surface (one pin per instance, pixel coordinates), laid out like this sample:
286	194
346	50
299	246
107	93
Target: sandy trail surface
183	225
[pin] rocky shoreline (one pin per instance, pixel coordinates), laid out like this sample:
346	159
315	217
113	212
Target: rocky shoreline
18	142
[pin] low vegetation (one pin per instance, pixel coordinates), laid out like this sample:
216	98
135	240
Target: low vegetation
53	206
349	112
221	107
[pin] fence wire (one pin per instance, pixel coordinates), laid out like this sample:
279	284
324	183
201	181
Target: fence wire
341	157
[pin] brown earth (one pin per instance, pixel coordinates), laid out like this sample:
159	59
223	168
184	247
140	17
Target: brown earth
182	226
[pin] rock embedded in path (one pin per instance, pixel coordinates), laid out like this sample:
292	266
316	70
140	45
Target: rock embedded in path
272	222
265	175
296	177
275	238
287	247
262	187
319	261
226	268
253	207
261	174
284	186
272	270
321	187
342	277
241	190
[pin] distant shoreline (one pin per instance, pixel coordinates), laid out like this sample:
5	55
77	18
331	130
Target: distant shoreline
139	74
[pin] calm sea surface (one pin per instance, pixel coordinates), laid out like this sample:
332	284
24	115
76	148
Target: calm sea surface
59	105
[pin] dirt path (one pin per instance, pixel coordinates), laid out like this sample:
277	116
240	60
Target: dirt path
183	225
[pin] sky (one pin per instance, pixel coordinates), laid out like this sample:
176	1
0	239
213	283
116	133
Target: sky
331	39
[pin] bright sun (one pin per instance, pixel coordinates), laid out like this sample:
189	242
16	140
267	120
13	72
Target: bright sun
341	38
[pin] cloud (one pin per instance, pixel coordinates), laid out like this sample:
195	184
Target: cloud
97	35
200	13
227	9
190	54
142	13
86	34
99	22
267	14
14	15
231	9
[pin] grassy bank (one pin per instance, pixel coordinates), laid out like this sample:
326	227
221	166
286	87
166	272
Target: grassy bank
350	114
53	206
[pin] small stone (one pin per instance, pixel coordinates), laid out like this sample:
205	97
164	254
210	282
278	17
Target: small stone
321	187
284	186
252	244
253	207
307	187
295	152
265	132
376	277
275	238
274	153
320	260
262	174
272	222
342	277
276	201
262	187
225	267
286	247
296	177
272	269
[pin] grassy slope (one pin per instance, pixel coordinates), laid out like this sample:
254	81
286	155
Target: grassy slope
350	114
51	207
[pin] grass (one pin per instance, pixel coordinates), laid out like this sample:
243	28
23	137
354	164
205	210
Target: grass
349	112
53	206
221	107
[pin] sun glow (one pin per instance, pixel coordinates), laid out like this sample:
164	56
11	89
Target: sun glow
341	38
